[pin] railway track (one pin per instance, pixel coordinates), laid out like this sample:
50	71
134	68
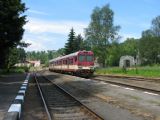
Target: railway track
132	78
128	85
61	105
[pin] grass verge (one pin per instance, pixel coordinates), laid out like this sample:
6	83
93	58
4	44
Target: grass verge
147	71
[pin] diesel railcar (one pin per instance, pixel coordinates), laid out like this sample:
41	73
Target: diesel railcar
80	63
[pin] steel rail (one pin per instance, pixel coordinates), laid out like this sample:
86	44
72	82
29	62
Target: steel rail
130	77
128	85
87	108
42	97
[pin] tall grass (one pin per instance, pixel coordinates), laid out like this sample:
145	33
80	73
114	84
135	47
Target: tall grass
147	71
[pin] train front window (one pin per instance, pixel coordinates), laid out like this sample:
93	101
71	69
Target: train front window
89	58
81	58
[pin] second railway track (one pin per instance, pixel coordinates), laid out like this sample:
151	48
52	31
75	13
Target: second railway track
60	105
128	85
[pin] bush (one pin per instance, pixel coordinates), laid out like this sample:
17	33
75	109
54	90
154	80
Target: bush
15	70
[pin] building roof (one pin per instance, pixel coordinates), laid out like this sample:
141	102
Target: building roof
66	56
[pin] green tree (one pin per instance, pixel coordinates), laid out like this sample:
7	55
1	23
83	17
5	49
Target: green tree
156	26
150	42
101	32
21	54
15	55
11	27
154	31
114	54
70	45
147	33
44	56
149	49
61	51
129	47
79	43
12	57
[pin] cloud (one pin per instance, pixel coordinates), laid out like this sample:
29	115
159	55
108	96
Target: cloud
37	26
37	12
43	41
49	35
34	46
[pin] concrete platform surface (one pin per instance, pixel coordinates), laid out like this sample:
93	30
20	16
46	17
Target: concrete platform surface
9	87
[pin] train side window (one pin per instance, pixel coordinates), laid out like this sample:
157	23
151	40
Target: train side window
81	58
89	58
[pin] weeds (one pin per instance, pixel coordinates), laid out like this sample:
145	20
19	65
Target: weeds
147	71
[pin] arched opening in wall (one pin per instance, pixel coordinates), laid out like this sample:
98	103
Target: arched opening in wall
127	63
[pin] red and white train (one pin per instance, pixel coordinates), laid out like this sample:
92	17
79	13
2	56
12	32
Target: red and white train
78	63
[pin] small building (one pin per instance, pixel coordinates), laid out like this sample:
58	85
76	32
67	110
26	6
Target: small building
35	63
29	63
23	64
127	61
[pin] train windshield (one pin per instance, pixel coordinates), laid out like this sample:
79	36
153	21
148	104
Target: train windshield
89	58
81	58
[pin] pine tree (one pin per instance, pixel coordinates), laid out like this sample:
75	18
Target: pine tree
70	45
11	27
79	43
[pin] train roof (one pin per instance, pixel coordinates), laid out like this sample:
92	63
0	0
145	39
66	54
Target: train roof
69	55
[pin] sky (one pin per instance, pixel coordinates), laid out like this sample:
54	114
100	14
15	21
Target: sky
50	21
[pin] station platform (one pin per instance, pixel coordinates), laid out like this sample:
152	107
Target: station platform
9	87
